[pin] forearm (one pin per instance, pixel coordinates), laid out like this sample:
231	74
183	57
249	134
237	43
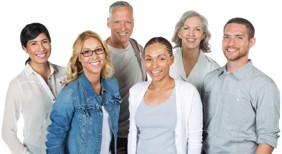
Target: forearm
14	144
264	149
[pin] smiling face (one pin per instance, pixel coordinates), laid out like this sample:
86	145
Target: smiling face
121	23
157	61
236	44
93	64
38	49
191	33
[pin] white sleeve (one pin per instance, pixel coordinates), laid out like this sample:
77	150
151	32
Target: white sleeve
11	116
195	125
132	136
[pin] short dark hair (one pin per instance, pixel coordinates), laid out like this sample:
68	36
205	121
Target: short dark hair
247	23
31	31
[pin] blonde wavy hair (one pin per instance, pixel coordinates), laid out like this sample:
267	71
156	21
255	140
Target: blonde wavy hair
75	67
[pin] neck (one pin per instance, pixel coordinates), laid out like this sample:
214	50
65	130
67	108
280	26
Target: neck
115	44
190	54
232	66
162	85
95	82
42	69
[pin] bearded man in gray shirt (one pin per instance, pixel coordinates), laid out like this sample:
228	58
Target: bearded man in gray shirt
241	103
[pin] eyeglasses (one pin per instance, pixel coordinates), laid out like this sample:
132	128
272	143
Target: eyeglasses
88	53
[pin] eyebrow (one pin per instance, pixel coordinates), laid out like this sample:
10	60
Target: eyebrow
157	56
31	41
95	48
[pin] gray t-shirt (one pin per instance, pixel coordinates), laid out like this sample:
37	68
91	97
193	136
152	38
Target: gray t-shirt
156	127
127	72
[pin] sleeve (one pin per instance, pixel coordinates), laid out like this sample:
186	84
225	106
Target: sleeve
268	113
61	116
195	124
12	111
132	136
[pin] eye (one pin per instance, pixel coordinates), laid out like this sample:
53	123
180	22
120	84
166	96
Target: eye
86	52
148	59
45	41
239	37
99	51
225	37
33	43
198	29
185	28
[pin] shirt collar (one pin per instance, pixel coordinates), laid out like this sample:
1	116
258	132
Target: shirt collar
88	89
239	73
29	70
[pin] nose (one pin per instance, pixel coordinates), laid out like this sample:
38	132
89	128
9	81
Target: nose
232	41
191	32
41	47
155	63
122	26
94	55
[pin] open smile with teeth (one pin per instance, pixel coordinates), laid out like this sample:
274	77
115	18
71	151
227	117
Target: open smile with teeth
122	33
191	40
41	55
156	72
95	63
231	50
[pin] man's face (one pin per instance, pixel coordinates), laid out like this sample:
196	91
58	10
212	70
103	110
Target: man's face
121	23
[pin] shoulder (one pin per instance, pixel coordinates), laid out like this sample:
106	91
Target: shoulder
17	81
59	69
261	78
211	61
135	43
215	72
111	80
177	53
181	85
140	85
22	77
111	84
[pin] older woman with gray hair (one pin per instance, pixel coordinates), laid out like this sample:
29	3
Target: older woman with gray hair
191	37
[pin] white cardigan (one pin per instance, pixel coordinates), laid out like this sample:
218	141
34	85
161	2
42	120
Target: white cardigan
188	131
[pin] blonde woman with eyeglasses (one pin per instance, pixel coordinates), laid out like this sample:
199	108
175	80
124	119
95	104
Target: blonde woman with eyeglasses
85	115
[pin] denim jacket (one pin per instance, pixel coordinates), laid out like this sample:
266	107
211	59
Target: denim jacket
77	116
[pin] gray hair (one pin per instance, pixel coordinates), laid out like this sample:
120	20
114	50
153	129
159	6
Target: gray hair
204	44
120	4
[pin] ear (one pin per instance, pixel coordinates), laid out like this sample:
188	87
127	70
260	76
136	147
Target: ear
108	22
203	37
252	42
25	49
171	60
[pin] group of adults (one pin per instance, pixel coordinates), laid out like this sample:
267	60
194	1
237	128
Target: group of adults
103	102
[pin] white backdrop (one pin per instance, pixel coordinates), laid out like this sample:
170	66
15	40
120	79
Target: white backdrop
66	19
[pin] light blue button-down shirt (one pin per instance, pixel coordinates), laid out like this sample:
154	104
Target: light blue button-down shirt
241	110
